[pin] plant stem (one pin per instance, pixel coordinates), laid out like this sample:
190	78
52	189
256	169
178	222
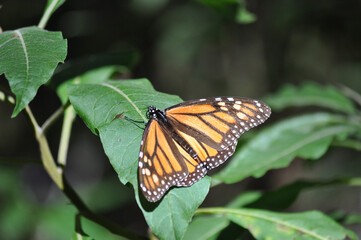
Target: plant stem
48	11
57	175
69	116
53	118
85	212
48	161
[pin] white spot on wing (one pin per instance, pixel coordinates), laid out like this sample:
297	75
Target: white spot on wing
237	106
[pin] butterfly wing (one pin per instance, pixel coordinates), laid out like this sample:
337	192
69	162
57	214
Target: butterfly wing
212	127
161	163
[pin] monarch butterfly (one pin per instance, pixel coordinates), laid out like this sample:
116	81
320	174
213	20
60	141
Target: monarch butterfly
181	143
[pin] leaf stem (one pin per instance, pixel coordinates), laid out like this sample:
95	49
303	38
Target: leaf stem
54	117
48	161
69	116
48	11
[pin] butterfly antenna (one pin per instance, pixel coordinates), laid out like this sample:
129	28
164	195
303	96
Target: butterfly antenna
135	122
121	116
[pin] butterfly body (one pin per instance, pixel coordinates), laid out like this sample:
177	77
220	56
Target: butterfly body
181	143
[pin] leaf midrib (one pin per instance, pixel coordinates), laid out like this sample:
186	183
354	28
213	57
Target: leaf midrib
297	146
246	213
126	97
27	63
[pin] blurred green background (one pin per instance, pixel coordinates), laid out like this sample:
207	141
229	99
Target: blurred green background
185	48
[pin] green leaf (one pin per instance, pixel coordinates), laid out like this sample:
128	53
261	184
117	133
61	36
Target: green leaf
124	60
244	199
97	105
233	9
206	227
310	94
270	225
28	58
243	16
352	218
170	219
98	75
272	200
87	230
308	137
283	197
345	218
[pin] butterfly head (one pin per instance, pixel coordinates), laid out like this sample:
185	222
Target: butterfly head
151	111
156	113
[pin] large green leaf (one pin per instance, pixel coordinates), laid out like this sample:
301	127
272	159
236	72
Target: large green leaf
206	227
170	219
98	104
271	225
308	137
28	58
310	94
282	198
98	75
209	227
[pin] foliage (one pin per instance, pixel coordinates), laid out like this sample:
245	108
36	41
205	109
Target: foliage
28	58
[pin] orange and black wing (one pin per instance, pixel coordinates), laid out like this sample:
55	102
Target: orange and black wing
212	127
161	162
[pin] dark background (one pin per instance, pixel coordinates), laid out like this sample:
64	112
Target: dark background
188	49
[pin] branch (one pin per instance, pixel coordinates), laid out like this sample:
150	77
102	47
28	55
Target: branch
50	121
46	157
85	212
57	175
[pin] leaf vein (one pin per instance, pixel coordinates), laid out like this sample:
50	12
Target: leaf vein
126	97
